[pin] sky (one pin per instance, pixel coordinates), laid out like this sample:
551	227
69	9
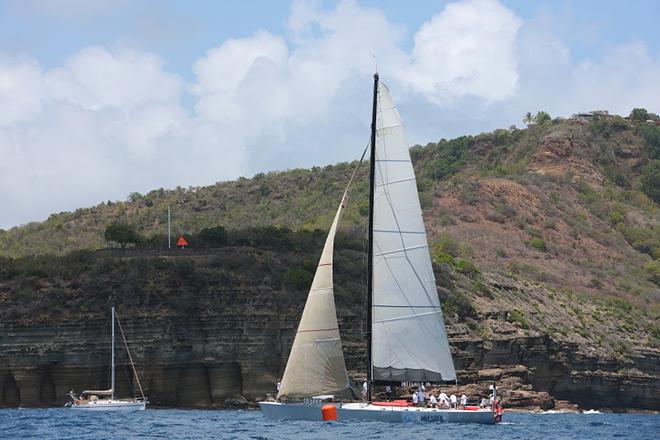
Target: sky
102	98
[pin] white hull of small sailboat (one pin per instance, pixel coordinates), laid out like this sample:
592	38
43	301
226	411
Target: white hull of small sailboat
89	399
111	405
360	411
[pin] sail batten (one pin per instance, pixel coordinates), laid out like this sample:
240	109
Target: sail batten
409	342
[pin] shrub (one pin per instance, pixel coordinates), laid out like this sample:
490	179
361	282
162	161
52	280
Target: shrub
538	244
646	240
502	213
652	269
542	117
213	237
440	257
650	180
446	244
122	234
651	135
639	115
516	316
467	268
450	157
298	278
458	304
617	304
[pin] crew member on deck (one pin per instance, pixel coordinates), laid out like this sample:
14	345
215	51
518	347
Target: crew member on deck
463	401
421	395
365	388
453	400
444	400
388	392
415	399
433	401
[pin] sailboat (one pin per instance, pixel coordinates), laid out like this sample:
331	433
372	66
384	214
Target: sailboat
104	400
406	337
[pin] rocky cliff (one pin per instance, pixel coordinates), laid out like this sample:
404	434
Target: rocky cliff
205	331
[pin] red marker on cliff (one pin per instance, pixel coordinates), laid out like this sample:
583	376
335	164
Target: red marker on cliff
182	242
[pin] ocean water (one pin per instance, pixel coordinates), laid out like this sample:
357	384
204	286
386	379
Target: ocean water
61	423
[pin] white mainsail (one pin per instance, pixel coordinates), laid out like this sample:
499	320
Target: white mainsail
409	342
316	363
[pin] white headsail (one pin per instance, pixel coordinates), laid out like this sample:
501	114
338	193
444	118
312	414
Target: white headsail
316	363
409	342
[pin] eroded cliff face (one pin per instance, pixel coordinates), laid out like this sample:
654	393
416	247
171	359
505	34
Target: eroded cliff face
221	337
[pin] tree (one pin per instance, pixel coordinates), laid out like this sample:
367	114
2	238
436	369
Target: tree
651	135
122	234
542	117
650	180
528	118
639	115
213	237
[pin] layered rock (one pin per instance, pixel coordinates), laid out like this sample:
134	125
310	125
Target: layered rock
214	329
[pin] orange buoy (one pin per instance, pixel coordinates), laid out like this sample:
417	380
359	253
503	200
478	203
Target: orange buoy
329	412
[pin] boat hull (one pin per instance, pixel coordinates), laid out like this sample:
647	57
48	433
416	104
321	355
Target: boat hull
115	405
359	411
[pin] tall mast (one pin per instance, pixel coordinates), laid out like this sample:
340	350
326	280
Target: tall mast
112	357
370	258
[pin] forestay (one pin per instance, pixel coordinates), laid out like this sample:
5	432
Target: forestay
316	362
409	342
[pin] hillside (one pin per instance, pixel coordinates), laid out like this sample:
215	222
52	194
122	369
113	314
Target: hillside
560	203
545	244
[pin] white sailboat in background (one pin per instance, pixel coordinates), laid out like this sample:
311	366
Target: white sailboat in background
104	400
407	341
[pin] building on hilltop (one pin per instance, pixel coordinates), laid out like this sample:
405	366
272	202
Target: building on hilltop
590	116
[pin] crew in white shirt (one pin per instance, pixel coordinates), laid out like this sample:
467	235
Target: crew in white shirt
453	400
421	396
463	401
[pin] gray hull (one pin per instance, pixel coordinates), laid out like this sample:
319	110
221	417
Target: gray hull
358	411
291	411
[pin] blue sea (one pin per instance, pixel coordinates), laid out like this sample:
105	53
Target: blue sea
61	423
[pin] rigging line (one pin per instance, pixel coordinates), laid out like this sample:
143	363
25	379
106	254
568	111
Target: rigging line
130	358
414	315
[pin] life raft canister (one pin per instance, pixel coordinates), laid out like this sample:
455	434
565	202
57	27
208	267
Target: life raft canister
329	412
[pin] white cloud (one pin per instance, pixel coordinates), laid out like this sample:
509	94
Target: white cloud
100	126
468	49
107	122
21	90
95	78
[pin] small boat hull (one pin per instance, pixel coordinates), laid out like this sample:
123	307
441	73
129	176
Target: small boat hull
360	411
112	405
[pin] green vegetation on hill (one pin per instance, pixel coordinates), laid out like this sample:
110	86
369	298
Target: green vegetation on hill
571	206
